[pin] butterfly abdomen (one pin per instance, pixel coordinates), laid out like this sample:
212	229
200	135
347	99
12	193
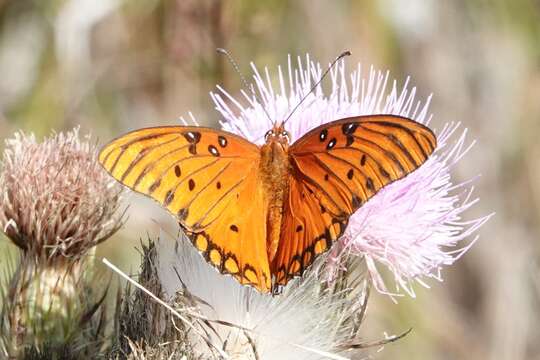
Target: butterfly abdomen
274	170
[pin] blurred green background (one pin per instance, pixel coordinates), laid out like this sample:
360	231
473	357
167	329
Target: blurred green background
113	66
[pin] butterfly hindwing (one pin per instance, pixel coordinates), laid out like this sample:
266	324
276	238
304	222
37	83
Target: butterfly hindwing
336	168
308	230
208	180
235	243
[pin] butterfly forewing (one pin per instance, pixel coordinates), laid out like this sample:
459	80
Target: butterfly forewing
208	179
335	169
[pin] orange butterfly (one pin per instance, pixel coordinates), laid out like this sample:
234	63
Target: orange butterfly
264	213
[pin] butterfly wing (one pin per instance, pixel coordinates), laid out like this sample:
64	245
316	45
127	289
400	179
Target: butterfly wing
336	168
208	179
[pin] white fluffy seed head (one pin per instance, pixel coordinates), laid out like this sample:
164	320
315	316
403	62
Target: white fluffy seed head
306	313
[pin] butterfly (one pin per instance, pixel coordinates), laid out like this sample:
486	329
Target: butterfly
263	214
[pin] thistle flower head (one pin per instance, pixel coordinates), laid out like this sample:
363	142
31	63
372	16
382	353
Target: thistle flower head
413	226
55	197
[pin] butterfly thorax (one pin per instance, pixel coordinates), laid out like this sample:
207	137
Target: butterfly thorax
274	169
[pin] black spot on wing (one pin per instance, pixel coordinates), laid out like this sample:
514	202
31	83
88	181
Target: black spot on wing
356	202
369	184
213	150
331	144
183	214
384	172
168	198
349	128
154	186
222	140
193	137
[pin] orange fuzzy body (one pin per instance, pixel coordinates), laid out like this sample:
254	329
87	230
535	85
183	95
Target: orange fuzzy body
274	170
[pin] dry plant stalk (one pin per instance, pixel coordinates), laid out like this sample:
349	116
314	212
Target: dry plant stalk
143	328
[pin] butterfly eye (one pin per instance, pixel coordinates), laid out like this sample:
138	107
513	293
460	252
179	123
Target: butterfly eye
268	133
286	134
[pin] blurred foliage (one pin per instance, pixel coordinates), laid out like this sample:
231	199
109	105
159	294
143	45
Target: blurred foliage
117	65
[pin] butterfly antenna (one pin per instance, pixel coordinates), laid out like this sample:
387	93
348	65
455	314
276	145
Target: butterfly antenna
341	56
246	85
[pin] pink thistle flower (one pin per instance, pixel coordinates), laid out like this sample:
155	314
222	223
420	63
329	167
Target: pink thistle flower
414	226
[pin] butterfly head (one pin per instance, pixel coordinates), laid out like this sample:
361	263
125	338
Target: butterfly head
279	135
